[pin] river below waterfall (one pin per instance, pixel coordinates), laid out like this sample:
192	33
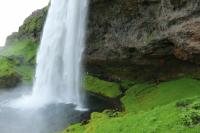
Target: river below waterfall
49	119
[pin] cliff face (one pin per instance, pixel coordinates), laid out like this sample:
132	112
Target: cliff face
144	39
139	39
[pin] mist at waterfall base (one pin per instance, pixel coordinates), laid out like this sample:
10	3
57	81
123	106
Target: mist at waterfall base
56	98
50	119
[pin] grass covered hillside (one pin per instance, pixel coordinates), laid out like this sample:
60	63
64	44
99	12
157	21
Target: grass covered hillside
18	62
101	87
172	106
23	51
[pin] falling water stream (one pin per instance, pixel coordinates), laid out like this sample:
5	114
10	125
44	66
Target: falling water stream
58	73
59	67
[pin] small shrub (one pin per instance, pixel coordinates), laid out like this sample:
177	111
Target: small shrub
112	113
191	118
196	106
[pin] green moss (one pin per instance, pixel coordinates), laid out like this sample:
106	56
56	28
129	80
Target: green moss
147	96
6	67
165	119
26	72
19	57
126	84
150	108
75	128
34	23
8	76
102	87
23	51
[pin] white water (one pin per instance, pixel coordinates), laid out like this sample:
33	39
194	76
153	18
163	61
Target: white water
58	72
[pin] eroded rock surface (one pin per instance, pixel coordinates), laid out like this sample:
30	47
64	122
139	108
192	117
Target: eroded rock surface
144	39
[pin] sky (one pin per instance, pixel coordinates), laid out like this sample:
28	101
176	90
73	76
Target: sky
13	13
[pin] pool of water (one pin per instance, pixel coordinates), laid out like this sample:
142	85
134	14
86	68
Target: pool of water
50	119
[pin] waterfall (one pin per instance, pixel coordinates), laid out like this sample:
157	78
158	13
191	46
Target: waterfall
59	67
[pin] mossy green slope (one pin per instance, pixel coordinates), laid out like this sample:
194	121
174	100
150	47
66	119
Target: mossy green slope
6	67
8	76
22	51
31	29
164	119
172	106
21	57
101	87
146	96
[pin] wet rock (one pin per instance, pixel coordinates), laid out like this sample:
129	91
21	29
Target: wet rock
147	39
9	81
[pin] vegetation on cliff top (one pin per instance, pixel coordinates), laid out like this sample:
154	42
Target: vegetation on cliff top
31	28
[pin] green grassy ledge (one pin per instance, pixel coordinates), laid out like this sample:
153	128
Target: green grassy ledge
164	119
142	97
104	88
172	106
22	51
18	58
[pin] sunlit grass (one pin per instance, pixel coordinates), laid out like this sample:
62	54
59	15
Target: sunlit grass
19	57
6	67
101	87
147	96
151	108
23	51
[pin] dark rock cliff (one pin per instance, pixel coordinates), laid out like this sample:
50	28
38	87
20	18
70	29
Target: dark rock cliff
141	39
144	39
